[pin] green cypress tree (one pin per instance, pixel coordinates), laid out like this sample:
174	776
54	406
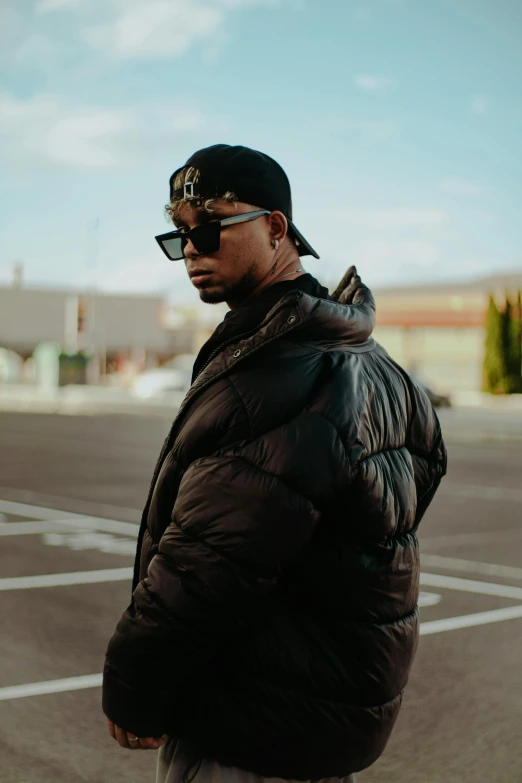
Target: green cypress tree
514	363
494	363
506	383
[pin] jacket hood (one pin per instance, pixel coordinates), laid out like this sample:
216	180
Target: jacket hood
348	316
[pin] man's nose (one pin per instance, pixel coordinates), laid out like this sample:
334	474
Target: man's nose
190	251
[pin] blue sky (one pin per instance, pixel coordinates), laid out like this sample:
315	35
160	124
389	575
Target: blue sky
398	122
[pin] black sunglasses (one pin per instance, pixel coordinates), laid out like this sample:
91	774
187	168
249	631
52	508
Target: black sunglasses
205	238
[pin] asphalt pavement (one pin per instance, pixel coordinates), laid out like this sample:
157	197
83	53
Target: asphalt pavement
71	493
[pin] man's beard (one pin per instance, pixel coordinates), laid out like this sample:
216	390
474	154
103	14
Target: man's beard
236	292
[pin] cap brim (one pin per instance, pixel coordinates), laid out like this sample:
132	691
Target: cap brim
304	248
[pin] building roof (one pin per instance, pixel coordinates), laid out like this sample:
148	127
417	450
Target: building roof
455	304
495	284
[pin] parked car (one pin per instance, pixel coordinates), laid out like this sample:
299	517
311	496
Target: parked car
174	376
159	382
437	400
11	366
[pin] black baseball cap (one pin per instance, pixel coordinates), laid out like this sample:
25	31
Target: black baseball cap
255	178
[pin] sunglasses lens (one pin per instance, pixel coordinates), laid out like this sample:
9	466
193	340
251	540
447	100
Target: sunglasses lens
205	238
174	247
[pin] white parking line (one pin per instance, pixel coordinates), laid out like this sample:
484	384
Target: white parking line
472	538
32	528
92	539
60	580
428	599
426	628
47	520
481	492
65	517
82	506
95	680
470	586
51	686
471	566
470	620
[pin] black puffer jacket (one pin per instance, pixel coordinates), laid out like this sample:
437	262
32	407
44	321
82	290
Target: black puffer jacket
274	618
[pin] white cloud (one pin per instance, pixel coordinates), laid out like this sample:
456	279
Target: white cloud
58	30
419	253
480	104
463	187
400	217
379	262
185	122
47	6
144	276
252	3
156	29
370	130
83	139
44	127
374	83
36	48
161	28
388	262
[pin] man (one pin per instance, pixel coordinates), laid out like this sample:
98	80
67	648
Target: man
274	620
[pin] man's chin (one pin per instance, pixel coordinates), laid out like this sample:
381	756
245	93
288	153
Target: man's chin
212	295
233	292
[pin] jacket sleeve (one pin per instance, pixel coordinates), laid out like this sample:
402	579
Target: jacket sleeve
239	518
427	448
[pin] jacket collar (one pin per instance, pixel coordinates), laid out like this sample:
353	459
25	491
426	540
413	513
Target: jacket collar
321	321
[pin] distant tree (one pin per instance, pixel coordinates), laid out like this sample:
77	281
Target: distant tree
513	380
508	381
494	367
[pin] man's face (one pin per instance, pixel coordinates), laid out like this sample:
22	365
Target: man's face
244	257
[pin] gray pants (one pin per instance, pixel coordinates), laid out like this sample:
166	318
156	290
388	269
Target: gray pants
174	760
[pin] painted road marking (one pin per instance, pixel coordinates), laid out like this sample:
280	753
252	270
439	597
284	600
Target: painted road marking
470	586
92	539
87	507
31	528
484	493
429	599
51	686
95	680
472	538
61	580
54	522
65	517
471	566
470	620
426	628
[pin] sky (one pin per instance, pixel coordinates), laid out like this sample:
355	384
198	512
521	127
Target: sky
398	122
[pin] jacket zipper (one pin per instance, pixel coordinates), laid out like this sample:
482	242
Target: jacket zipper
242	336
168	440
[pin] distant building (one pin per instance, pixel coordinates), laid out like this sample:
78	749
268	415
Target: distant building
434	331
115	325
437	331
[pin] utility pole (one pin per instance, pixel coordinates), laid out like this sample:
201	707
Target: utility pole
93	244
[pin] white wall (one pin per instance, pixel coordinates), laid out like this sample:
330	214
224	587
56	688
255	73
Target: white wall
445	358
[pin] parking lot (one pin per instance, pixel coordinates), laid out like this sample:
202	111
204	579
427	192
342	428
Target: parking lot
70	502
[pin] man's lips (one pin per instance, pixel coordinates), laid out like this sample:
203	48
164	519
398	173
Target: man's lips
197	276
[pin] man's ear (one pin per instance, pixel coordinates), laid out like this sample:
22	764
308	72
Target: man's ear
278	226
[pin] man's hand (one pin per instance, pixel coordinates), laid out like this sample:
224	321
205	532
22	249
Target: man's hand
130	741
